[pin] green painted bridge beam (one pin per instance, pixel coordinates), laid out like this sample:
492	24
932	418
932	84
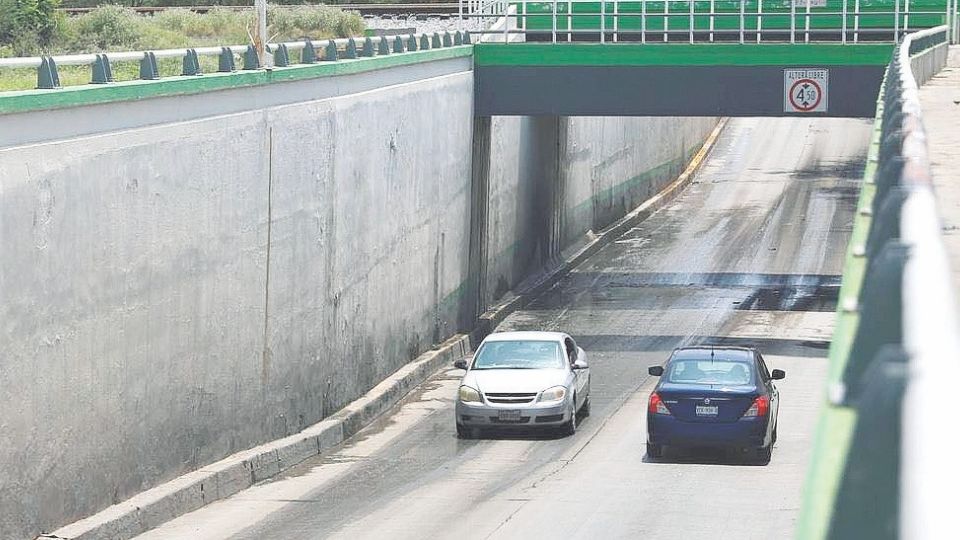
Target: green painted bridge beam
682	54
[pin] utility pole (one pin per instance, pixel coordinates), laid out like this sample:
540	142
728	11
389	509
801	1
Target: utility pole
260	34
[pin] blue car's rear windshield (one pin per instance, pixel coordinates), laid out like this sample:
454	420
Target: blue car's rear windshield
519	355
729	372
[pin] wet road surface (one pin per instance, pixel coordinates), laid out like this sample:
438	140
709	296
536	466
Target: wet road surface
749	253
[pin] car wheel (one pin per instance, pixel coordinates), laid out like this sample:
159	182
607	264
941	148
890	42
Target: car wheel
654	450
464	432
585	408
571	426
764	454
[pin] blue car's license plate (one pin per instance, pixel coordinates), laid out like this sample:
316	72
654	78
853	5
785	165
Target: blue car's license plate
707	410
509	416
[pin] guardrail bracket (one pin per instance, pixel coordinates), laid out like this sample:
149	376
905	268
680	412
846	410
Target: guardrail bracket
367	48
102	73
351	50
250	59
47	76
191	64
308	55
330	54
148	67
226	62
398	44
281	58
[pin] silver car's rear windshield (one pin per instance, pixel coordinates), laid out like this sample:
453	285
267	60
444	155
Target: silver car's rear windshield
519	355
710	372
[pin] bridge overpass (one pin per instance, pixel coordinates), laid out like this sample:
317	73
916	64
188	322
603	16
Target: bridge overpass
217	262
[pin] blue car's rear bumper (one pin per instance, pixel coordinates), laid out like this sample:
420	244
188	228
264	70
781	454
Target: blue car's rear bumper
666	430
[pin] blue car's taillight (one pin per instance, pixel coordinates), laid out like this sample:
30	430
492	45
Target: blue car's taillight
656	405
759	407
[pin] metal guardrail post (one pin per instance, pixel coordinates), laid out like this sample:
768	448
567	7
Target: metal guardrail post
191	64
47	76
843	25
251	59
713	10
103	73
692	9
856	22
906	16
603	21
759	19
666	20
225	61
330	53
643	21
896	21
281	58
553	29
149	70
793	21
743	4
616	20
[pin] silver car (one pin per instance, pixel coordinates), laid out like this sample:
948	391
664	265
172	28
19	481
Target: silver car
523	380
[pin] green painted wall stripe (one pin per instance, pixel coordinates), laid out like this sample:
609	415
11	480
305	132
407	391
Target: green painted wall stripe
72	96
682	54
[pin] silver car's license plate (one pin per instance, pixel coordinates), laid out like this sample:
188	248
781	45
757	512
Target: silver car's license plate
509	416
707	410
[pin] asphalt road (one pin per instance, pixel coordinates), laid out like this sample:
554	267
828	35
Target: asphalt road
750	253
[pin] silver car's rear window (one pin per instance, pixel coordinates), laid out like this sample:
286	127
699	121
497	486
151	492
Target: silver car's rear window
519	355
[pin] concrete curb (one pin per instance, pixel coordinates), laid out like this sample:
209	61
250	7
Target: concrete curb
239	471
527	291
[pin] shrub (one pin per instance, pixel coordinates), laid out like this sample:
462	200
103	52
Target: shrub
115	28
27	26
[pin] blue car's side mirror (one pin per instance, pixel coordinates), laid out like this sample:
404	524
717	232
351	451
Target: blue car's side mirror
777	374
656	371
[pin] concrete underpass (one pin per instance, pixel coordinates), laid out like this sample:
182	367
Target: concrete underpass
749	253
230	303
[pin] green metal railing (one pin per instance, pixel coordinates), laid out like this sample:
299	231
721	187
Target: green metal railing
716	20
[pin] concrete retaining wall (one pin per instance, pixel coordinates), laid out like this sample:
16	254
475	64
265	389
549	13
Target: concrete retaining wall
172	294
572	176
177	291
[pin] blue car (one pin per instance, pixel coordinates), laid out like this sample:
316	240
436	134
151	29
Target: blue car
714	396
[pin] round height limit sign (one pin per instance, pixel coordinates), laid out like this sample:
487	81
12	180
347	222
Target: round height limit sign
805	90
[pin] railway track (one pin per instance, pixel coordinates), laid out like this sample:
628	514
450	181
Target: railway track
440	8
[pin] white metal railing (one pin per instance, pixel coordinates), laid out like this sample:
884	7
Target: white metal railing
655	17
322	51
131	56
929	472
